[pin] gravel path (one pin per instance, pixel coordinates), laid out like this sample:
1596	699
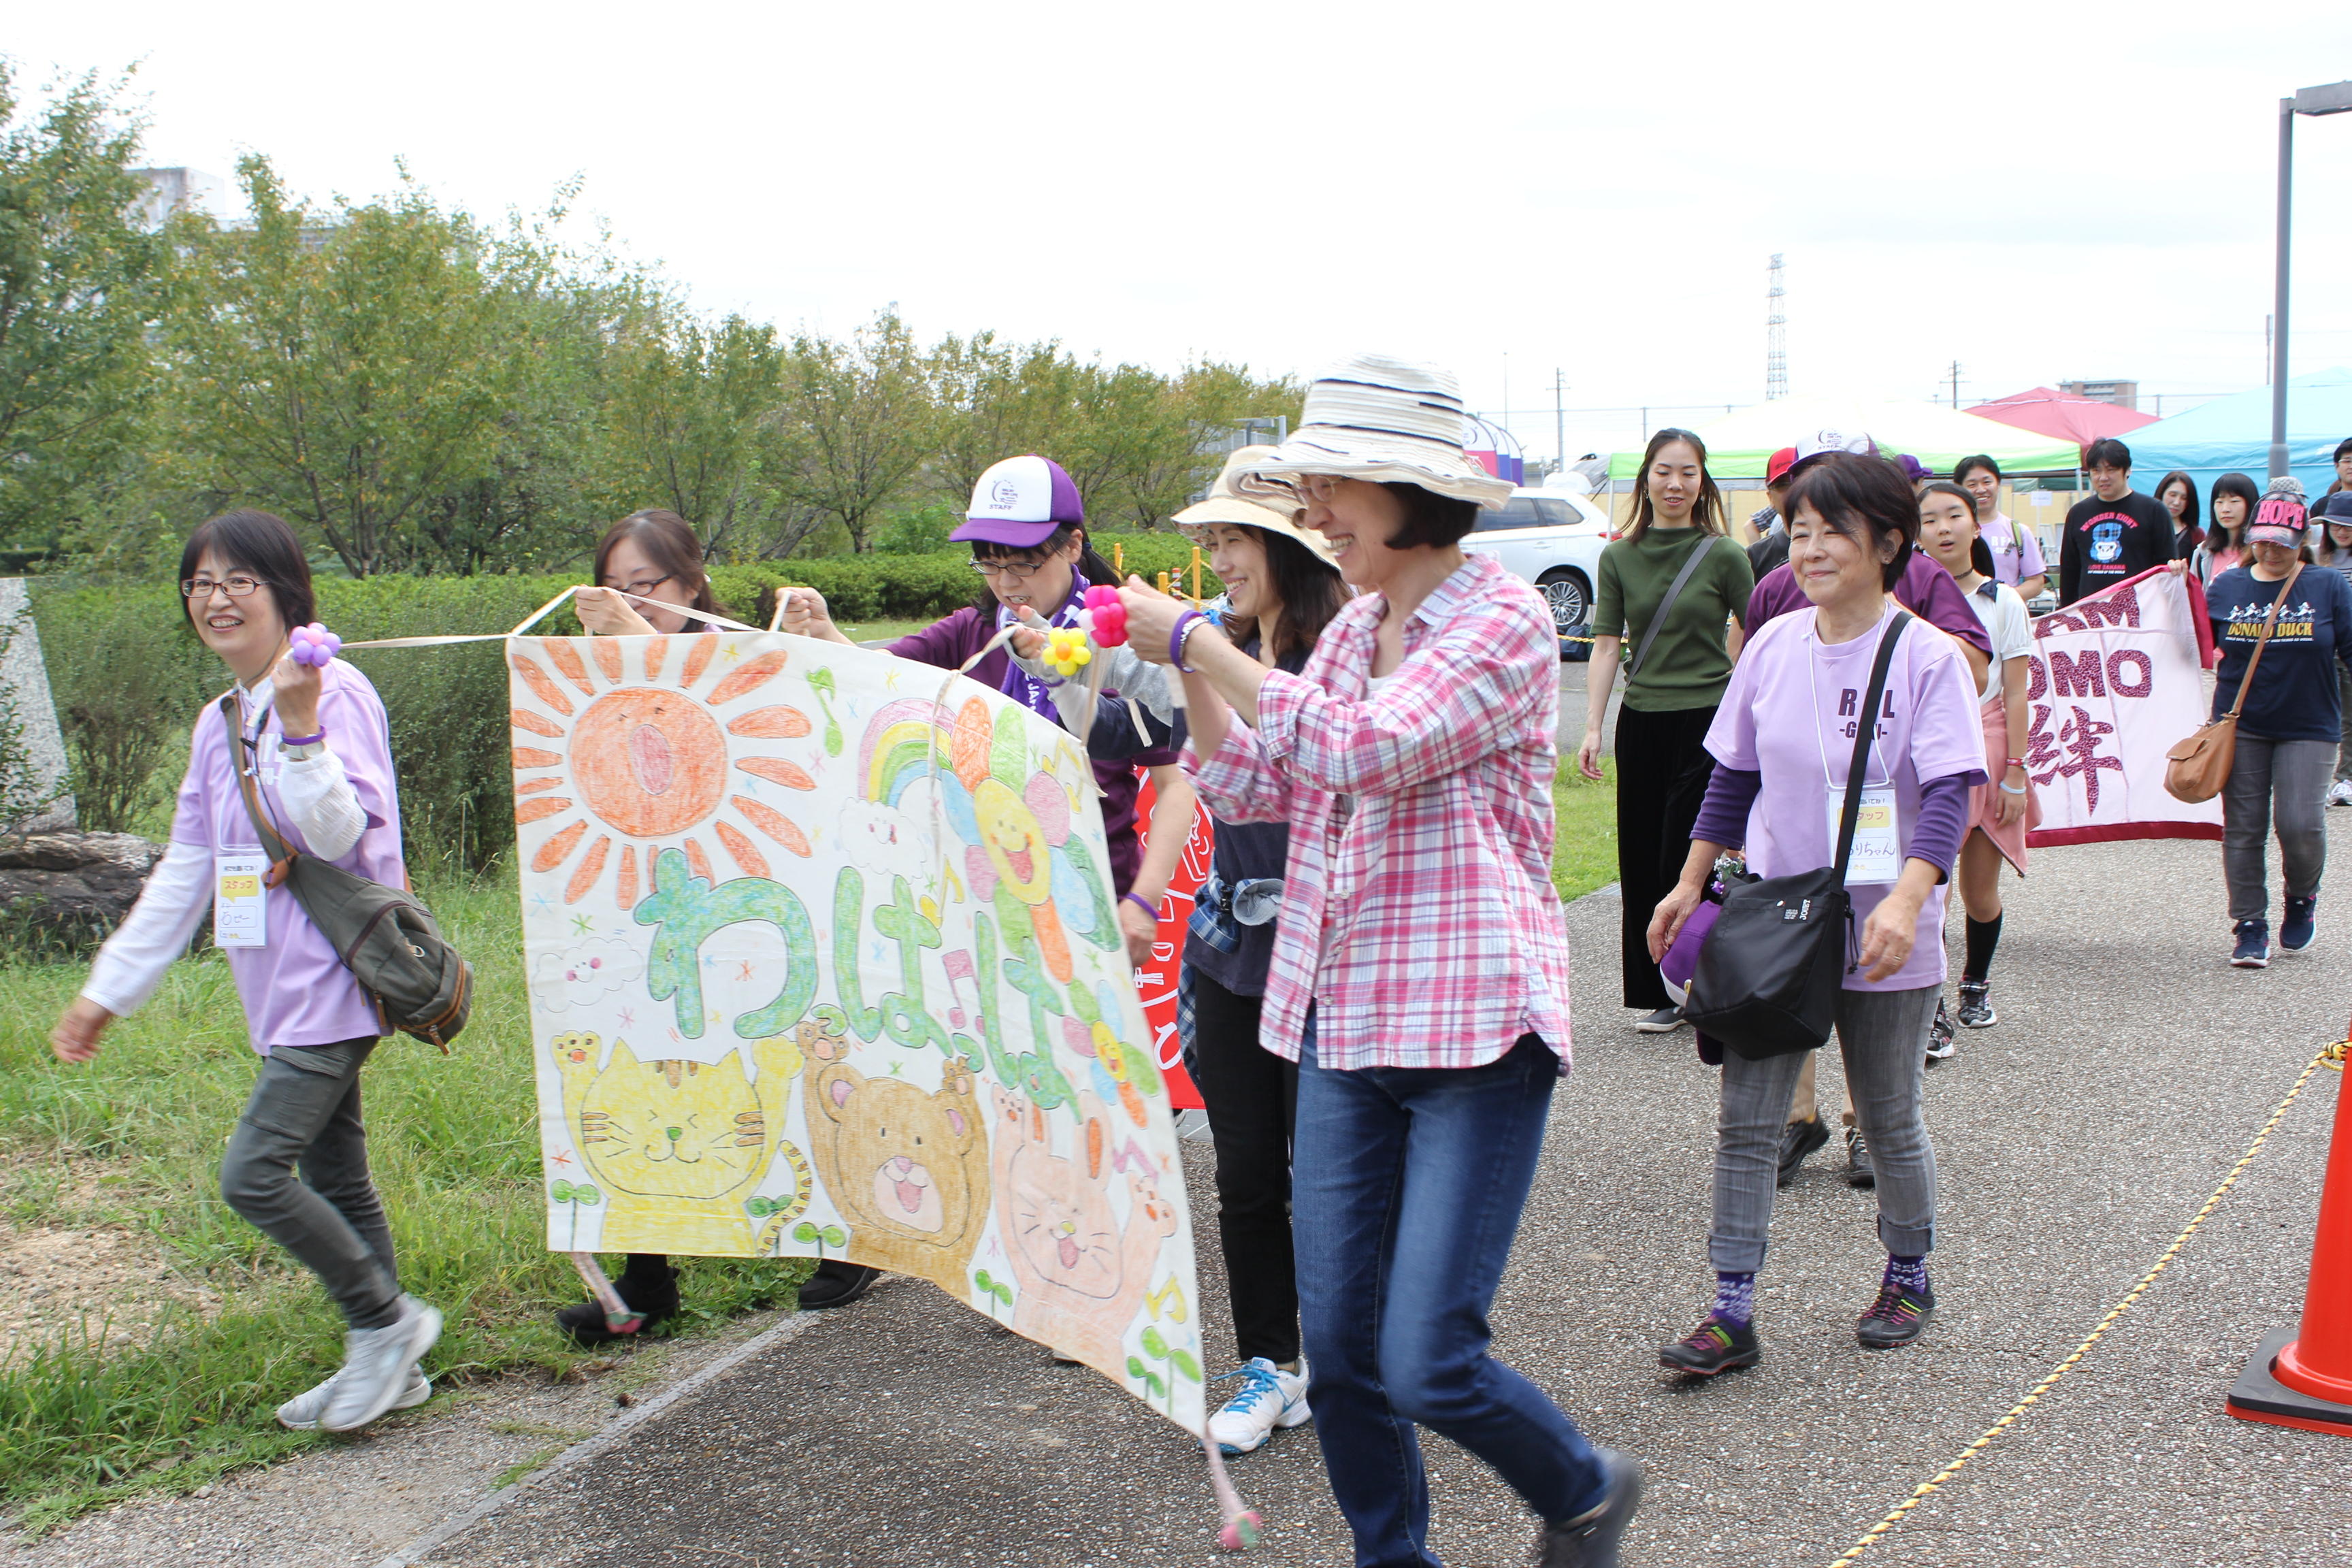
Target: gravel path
2130	1069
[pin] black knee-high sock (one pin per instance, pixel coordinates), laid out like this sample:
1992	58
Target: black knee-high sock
1983	937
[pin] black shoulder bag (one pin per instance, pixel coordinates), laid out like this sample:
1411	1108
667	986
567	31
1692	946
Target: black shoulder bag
386	936
1768	977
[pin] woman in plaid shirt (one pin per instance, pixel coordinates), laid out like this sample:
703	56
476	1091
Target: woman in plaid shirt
1419	969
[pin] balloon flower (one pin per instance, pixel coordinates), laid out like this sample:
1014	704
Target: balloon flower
313	645
1104	616
1066	651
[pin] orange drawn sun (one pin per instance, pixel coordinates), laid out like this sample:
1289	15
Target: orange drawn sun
651	765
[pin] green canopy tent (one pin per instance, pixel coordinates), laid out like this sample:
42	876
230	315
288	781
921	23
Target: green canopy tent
1739	444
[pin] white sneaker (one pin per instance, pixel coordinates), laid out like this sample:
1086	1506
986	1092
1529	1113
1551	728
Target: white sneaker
2340	792
1270	1397
301	1413
376	1363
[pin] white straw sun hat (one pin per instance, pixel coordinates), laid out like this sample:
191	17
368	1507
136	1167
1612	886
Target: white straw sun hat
1386	420
1225	503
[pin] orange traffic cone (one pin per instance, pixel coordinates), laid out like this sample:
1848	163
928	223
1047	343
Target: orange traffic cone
2304	1378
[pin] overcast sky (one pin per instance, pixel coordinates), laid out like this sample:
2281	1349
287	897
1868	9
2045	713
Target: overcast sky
2039	191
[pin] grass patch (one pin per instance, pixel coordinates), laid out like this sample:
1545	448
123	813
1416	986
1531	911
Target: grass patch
454	1147
1584	851
879	631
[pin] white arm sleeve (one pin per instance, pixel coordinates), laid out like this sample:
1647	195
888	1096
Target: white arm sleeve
156	932
319	798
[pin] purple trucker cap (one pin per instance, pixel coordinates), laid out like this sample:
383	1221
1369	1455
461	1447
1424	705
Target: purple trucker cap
1020	502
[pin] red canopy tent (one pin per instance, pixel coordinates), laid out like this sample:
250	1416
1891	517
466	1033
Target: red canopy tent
2048	412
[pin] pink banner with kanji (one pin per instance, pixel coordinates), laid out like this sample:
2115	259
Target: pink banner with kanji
2117	679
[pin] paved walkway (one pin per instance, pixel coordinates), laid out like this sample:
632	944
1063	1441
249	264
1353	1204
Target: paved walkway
2130	1069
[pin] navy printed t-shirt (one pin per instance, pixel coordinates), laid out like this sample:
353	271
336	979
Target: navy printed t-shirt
2105	542
2295	695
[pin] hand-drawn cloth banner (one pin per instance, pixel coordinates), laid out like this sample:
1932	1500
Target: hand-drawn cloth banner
2116	681
824	961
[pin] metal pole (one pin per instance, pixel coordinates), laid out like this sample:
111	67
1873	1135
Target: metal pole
1559	415
2279	334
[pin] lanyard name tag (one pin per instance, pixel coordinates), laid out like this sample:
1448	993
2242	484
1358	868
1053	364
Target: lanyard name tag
240	903
1877	856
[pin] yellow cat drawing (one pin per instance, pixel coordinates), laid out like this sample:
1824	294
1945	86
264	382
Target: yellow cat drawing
678	1146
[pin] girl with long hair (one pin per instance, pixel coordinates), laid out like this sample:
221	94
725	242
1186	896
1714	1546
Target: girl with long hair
1675	591
2003	809
2177	493
2234	501
316	745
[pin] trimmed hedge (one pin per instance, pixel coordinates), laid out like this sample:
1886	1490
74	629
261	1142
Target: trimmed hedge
128	681
912	588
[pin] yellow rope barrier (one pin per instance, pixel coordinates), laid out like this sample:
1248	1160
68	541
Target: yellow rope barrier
1928	1488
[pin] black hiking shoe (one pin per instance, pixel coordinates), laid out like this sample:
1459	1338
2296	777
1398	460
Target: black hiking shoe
648	1286
1590	1540
1976	1004
1858	1171
1715	1346
1799	1140
836	1284
1895	1319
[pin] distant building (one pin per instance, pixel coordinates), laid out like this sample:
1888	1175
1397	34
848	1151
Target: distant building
171	191
2122	393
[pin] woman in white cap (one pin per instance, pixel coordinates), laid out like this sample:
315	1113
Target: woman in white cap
2290	720
1419	976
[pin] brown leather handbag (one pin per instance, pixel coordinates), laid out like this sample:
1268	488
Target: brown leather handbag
2196	769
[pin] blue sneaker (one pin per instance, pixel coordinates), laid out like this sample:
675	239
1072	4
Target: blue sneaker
2253	950
1270	1397
2302	923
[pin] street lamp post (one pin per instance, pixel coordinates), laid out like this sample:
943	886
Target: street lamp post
2336	99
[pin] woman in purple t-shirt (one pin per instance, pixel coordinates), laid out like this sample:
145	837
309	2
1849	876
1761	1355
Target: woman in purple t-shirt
317	745
1783	741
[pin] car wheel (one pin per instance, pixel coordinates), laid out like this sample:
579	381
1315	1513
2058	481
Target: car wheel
1569	596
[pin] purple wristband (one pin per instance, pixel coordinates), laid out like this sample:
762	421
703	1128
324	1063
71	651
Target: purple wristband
284	740
1176	637
1139	901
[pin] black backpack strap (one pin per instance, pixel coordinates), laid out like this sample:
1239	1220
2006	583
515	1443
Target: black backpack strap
280	853
1865	733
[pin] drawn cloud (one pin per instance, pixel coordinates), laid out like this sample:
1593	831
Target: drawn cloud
592	969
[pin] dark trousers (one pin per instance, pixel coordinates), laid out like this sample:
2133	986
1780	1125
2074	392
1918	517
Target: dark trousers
1411	1181
305	1113
1252	1100
1663	768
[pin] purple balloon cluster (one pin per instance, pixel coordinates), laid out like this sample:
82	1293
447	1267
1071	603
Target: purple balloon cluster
313	645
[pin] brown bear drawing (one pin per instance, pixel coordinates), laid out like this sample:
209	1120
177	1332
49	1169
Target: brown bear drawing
908	1170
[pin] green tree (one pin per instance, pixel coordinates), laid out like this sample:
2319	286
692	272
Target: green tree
78	276
997	401
859	419
356	370
691	423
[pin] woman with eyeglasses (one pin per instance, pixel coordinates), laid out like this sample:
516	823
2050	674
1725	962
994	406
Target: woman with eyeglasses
317	748
1027	530
645	562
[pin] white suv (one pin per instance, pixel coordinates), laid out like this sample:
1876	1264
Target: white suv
1553	538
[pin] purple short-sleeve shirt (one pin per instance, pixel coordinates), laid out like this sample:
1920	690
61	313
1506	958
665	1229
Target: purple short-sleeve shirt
1788	714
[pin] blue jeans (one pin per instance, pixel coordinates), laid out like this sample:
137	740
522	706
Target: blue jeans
1407	1184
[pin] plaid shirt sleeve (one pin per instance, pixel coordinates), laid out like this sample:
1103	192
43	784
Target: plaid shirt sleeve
1459	697
1239	783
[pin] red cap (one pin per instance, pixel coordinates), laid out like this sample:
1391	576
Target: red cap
1783	461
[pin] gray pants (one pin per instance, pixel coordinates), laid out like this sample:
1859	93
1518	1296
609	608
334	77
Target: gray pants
1884	1037
305	1111
2344	744
2274	782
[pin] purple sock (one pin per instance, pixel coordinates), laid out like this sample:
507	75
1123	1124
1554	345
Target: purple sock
1735	1298
1908	1274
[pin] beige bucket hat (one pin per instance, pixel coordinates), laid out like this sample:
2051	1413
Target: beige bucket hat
1387	420
1275	512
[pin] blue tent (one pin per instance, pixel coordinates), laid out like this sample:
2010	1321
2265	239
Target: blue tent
2234	432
